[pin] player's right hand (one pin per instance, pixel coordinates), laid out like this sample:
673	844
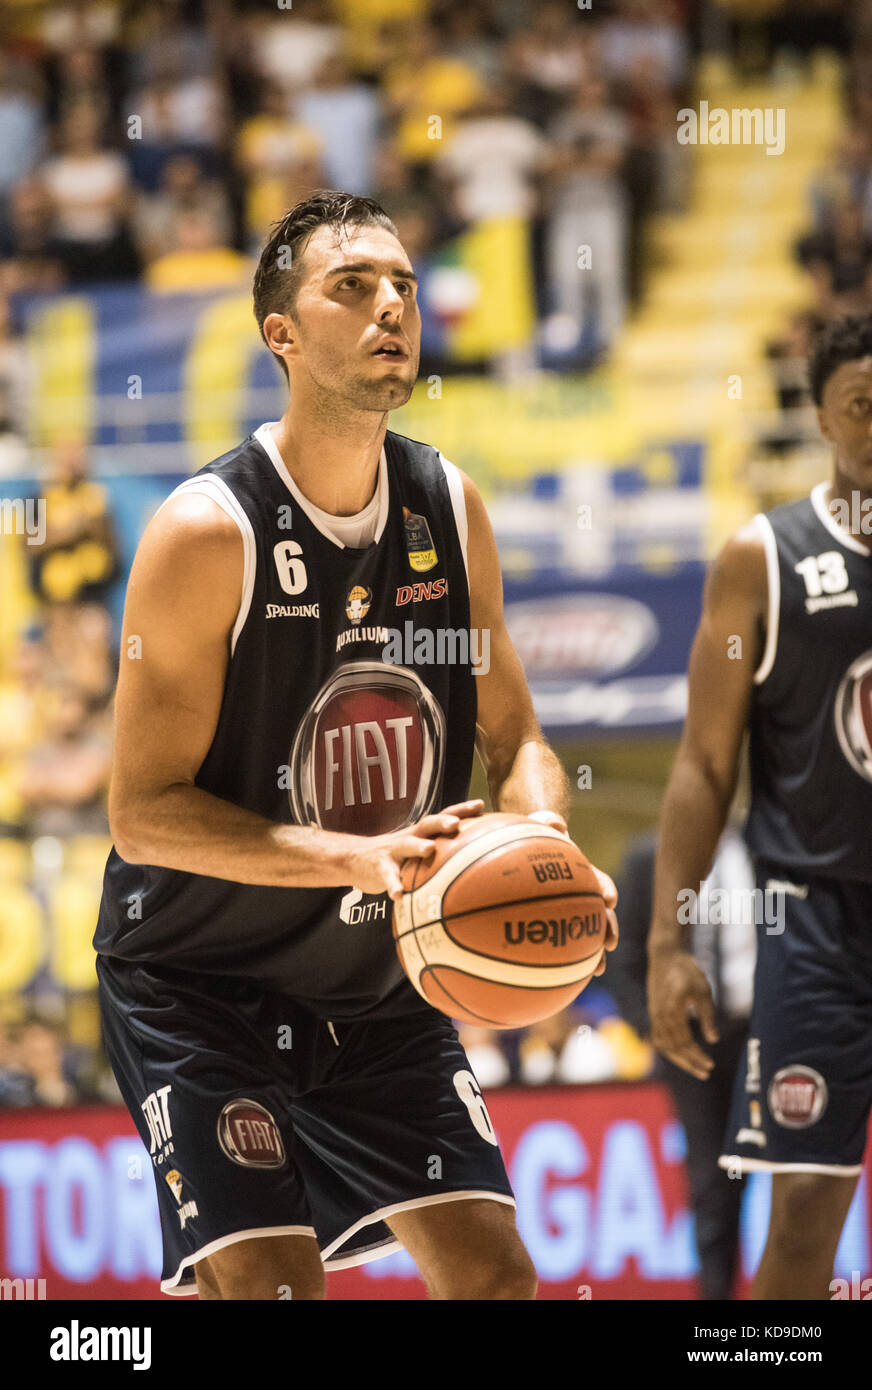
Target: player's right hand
678	991
375	866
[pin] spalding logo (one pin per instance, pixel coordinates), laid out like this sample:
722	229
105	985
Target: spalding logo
556	930
249	1135
581	634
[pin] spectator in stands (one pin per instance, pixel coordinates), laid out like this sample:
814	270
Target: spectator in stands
65	777
587	231
280	158
425	91
78	559
15	1085
183	186
646	31
29	252
79	649
346	115
469	32
22	128
291	45
13	374
87	185
846	178
841	250
41	1073
546	59
492	160
199	260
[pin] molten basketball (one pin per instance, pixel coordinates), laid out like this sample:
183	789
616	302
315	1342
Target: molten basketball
504	926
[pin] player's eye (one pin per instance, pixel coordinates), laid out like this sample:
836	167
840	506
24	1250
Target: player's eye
352	280
405	286
861	405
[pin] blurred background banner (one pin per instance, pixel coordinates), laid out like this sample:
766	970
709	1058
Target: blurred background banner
597	1173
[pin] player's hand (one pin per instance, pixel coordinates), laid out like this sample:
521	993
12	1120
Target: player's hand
552	819
375	867
610	898
678	991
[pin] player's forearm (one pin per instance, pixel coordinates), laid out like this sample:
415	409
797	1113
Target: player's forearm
694	813
186	828
530	779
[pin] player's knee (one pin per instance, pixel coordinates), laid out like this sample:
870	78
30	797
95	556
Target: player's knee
507	1273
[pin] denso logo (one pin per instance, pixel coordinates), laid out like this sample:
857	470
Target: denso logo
420	593
557	930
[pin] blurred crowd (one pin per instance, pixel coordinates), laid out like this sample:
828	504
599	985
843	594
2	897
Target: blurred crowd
835	250
158	143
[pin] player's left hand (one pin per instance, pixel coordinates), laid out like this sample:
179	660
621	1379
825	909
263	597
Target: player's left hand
606	884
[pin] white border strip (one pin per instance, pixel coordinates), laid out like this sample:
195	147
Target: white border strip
773	579
172	1285
320	519
375	1252
826	518
764	1165
217	491
458	503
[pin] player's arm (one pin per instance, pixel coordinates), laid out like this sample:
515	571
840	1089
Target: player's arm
182	601
726	652
524	775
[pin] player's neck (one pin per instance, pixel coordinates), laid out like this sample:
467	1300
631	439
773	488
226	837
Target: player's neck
334	463
850	507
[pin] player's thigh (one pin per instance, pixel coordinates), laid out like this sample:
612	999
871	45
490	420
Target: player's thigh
265	1268
467	1249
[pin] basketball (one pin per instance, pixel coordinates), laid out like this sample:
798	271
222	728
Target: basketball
503	926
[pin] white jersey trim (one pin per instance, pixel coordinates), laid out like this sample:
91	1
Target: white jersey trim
773	579
172	1286
458	505
826	518
389	1246
320	519
217	490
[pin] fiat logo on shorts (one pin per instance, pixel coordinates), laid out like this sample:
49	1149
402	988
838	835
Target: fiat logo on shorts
249	1135
853	715
797	1097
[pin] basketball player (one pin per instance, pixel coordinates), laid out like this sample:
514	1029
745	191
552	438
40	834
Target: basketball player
302	1105
784	650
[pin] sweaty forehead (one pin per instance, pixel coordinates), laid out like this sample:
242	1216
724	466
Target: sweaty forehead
335	246
850	376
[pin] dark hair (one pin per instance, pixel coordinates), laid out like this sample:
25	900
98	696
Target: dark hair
277	278
843	340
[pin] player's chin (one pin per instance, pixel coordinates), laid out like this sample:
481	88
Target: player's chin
392	391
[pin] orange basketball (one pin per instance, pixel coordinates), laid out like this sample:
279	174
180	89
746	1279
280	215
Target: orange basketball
504	926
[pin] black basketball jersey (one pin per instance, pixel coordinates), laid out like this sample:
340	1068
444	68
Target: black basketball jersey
349	703
811	716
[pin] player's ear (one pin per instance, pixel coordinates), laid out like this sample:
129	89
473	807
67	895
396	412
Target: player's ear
822	423
278	332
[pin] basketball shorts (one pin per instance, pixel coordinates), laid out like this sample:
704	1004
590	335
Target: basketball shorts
803	1094
261	1119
